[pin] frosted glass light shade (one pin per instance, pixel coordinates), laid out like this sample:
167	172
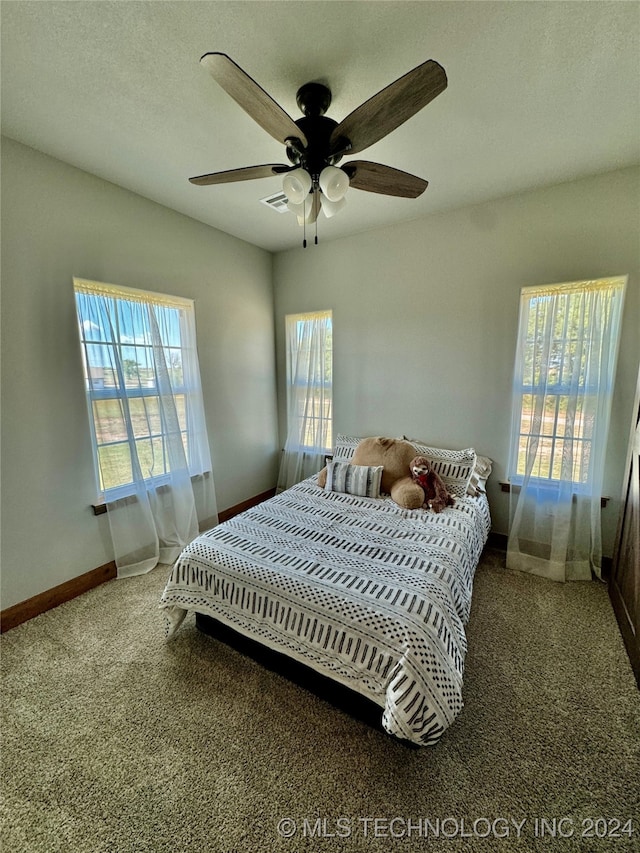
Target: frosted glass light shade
296	185
330	208
304	210
334	183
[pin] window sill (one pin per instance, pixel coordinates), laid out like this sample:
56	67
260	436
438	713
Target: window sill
100	508
507	487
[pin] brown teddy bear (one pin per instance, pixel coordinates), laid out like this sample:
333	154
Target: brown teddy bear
394	455
436	496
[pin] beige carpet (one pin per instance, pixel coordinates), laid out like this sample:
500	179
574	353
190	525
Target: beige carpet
114	741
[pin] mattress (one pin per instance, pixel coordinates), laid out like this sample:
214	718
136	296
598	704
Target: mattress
359	589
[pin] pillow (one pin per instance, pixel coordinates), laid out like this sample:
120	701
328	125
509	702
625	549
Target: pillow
345	447
455	467
478	482
359	480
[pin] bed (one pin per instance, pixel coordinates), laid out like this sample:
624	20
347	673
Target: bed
371	595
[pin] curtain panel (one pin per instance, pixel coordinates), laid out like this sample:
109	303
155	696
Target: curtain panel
309	396
563	386
147	417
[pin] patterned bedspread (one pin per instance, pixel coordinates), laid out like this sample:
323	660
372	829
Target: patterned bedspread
359	589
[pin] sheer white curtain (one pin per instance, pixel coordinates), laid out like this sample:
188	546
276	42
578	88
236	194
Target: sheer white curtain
563	385
309	415
147	417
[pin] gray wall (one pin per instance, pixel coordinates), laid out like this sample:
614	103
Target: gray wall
58	222
425	315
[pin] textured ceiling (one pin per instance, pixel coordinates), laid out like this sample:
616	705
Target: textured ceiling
538	93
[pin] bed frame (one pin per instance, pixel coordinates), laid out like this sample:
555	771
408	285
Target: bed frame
335	694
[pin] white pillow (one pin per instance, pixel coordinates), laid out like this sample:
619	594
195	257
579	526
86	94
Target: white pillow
480	475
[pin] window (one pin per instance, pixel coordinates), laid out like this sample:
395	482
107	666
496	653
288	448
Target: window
309	375
565	368
309	395
143	385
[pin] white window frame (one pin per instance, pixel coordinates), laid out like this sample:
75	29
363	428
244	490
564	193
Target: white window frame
538	382
190	390
296	320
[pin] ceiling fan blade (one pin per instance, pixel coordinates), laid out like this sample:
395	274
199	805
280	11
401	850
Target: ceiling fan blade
252	98
391	107
376	178
248	173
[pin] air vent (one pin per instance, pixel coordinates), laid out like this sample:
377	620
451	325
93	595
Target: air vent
277	202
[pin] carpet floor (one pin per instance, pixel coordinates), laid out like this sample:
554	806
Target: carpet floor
115	741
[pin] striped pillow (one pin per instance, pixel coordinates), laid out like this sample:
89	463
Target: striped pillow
361	480
345	447
455	467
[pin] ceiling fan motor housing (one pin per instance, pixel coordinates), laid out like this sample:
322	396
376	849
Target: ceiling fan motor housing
314	99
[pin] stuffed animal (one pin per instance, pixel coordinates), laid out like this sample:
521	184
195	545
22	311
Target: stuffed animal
436	496
394	455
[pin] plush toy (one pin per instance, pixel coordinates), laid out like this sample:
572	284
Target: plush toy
436	496
394	455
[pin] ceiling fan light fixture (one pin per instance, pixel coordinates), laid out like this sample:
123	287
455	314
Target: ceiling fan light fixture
334	183
330	208
296	186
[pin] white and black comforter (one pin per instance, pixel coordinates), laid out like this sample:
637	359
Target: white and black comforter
372	595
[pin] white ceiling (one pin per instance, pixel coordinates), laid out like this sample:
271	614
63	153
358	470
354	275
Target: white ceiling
539	93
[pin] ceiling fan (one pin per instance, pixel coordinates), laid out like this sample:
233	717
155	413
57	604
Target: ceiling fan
315	143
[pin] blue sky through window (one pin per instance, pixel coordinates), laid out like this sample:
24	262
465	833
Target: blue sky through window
107	321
